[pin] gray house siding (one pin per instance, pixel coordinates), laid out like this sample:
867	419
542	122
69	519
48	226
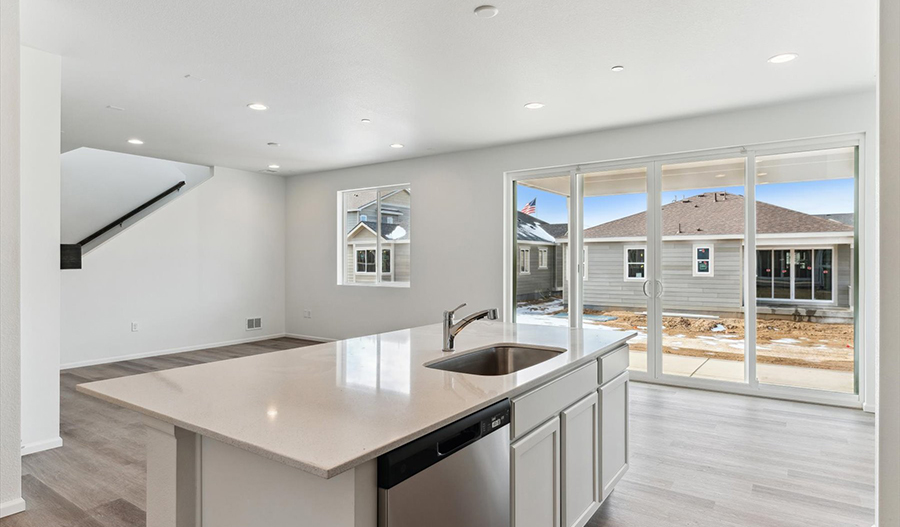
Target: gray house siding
606	287
538	283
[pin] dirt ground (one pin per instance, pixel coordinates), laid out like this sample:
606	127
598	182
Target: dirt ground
785	342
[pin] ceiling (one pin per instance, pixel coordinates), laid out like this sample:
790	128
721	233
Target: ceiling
428	73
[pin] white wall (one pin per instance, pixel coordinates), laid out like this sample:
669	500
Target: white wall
41	97
889	373
190	274
10	432
99	186
457	222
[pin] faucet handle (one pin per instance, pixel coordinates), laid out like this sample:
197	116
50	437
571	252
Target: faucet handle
454	310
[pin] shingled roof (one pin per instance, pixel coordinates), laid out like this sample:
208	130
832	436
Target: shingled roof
531	229
717	213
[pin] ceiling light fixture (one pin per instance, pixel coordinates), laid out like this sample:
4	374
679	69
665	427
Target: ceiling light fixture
396	145
135	141
274	167
365	121
761	174
486	11
534	105
720	175
258	106
782	58
618	68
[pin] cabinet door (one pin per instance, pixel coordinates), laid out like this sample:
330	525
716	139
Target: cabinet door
535	477
580	461
613	432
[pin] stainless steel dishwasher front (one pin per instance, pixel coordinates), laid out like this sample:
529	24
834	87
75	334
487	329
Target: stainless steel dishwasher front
457	476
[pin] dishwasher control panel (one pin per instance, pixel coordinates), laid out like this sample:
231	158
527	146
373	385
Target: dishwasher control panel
495	421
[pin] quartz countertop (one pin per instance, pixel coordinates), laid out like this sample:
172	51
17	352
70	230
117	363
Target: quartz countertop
327	408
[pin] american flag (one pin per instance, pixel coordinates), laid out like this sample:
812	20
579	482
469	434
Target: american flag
531	208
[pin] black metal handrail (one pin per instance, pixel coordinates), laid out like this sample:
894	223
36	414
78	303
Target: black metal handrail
126	217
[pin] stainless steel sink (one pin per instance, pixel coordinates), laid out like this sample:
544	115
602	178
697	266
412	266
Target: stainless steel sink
499	359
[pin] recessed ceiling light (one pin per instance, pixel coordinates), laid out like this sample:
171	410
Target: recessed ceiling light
486	11
720	175
618	68
274	144
782	58
274	167
761	174
534	105
135	141
396	145
365	121
257	106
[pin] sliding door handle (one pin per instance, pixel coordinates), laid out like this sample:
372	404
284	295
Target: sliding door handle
644	288
659	288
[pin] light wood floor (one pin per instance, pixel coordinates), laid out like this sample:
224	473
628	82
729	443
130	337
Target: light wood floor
697	459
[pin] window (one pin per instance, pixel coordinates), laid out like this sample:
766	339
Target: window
635	263
703	260
542	258
795	274
374	236
524	261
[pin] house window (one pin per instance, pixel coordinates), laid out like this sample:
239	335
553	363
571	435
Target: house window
795	274
374	236
365	261
542	258
703	260
524	261
635	263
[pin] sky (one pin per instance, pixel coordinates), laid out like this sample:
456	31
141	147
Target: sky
812	197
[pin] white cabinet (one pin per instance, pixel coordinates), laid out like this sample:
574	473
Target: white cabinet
613	432
580	461
535	477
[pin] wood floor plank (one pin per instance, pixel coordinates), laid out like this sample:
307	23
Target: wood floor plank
699	459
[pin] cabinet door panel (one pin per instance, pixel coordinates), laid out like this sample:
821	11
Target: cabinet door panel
580	461
613	432
535	477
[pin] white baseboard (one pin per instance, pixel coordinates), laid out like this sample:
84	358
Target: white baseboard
40	446
308	337
107	360
8	508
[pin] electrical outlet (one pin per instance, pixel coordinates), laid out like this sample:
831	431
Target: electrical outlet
307	313
134	326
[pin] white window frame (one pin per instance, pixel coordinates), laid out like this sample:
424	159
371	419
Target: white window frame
865	299
793	262
625	262
543	254
343	244
695	259
526	260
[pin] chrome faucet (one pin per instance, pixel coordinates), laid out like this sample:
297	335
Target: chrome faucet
451	329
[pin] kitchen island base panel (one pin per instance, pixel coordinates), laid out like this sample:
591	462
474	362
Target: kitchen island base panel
194	481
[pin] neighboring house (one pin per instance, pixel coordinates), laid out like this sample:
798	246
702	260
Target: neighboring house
538	258
362	221
802	259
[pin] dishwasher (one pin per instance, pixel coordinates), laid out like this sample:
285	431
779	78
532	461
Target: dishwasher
457	476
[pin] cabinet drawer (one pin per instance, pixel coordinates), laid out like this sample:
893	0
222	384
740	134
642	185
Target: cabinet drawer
612	364
538	405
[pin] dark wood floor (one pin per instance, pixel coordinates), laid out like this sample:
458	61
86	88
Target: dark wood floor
697	459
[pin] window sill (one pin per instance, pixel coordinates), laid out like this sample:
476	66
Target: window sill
390	285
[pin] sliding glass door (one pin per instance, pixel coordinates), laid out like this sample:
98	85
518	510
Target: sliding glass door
736	268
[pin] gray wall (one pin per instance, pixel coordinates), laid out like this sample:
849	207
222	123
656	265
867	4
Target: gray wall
540	282
606	285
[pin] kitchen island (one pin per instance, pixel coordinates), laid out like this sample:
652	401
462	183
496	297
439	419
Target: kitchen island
268	439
